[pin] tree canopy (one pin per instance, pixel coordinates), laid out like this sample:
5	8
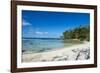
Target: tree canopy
81	33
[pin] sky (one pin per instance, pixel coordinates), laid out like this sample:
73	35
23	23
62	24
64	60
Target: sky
46	24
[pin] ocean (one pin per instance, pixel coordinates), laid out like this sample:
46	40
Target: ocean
45	44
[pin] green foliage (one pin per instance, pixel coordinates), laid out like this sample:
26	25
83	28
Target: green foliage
81	33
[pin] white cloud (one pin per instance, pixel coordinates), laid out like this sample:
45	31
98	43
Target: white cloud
45	32
41	33
38	32
25	23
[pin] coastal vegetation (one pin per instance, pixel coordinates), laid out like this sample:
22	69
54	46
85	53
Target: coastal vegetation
81	33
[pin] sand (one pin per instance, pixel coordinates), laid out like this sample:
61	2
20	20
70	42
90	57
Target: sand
75	52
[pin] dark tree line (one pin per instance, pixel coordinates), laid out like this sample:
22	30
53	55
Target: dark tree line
81	33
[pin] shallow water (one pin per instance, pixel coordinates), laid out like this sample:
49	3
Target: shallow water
41	45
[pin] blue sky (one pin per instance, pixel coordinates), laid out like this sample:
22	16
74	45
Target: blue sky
46	24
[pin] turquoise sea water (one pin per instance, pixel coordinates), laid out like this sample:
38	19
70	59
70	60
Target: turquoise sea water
41	44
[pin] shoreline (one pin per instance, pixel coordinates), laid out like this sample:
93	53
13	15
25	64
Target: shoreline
75	52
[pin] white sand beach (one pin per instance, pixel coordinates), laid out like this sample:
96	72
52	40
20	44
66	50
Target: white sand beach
75	52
